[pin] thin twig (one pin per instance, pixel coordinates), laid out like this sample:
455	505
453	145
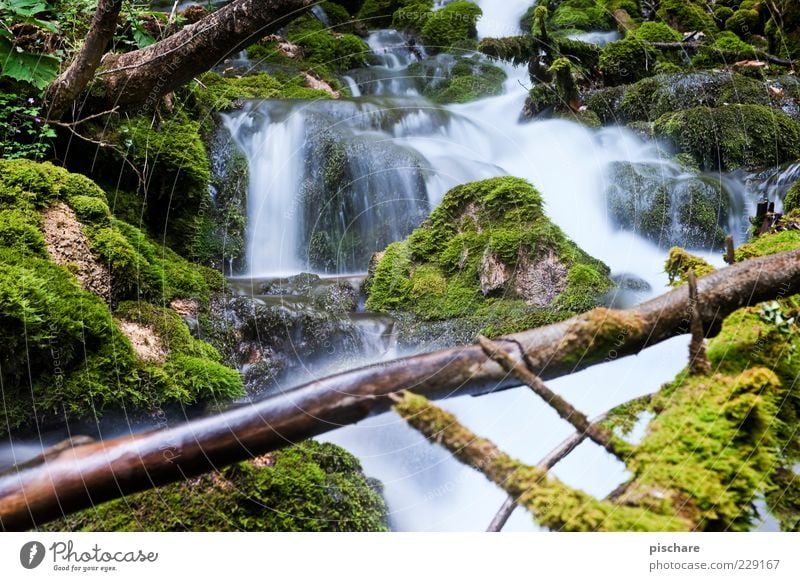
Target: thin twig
564	409
83	120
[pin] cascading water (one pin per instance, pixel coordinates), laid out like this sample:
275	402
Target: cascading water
389	146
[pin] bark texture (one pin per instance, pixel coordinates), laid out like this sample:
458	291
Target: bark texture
138	79
80	476
66	89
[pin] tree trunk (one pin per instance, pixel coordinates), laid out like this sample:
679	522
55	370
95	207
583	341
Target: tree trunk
81	476
64	91
138	79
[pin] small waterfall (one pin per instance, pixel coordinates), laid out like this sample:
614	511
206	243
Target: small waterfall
328	185
776	185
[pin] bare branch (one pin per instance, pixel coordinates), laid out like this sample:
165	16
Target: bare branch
80	477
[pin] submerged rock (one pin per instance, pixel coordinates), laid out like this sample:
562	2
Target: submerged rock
666	206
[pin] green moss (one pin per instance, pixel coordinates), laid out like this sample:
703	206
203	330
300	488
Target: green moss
679	263
468	79
435	273
586	15
712	444
450	25
792	199
744	23
63	356
20	230
769	244
686	15
172	159
732	137
321	46
217	93
308	487
627	61
655	32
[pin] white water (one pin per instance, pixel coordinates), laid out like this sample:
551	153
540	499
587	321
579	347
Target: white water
425	488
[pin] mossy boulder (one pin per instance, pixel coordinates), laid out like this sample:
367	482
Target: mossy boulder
451	25
655	32
487	250
310	487
732	137
650	98
687	15
64	355
627	61
667	206
466	79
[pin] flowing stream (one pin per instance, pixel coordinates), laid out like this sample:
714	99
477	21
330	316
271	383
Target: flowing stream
331	182
396	154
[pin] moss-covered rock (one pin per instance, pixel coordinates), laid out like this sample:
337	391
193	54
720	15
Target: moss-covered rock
486	250
308	487
64	355
650	98
687	15
736	136
466	79
655	32
666	206
585	15
627	61
451	25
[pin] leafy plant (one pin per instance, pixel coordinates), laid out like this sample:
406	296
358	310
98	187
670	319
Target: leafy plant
17	62
773	314
22	132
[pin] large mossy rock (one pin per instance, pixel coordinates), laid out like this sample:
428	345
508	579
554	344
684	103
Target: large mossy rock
667	206
487	253
310	487
731	137
650	98
65	337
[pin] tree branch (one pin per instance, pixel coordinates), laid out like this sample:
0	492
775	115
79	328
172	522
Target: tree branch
90	474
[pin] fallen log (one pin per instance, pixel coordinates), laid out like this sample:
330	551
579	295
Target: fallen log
79	477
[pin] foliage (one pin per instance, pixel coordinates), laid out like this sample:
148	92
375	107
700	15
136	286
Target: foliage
308	487
20	62
22	130
792	199
680	263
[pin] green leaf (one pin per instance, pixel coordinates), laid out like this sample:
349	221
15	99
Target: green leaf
36	69
141	38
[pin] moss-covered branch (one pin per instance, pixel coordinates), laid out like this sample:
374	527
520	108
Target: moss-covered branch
89	474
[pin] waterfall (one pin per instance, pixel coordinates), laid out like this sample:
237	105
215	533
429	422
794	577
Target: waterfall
333	181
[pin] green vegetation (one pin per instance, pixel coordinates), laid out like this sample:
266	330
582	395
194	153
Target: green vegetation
627	61
308	487
467	80
63	354
487	251
736	136
451	25
792	200
680	263
686	15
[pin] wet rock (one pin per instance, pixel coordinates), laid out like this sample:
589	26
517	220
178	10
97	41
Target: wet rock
667	206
